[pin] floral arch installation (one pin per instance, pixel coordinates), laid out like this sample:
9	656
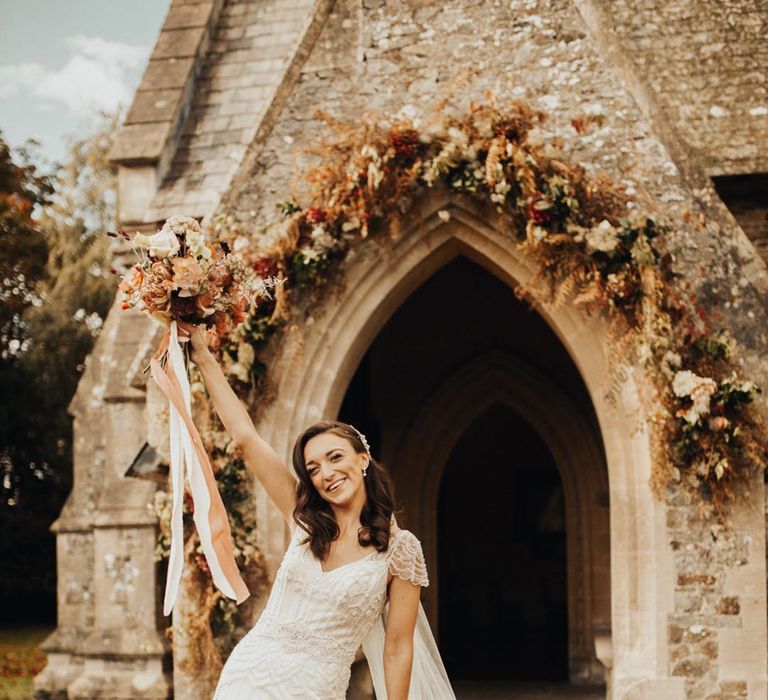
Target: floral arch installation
589	246
592	247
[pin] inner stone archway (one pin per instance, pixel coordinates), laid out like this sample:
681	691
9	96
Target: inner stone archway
503	604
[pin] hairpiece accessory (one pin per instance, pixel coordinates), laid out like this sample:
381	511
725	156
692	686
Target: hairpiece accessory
365	444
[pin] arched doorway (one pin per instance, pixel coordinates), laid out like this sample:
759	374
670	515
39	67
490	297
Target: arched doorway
459	352
318	360
503	603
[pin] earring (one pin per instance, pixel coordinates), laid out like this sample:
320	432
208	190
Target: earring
365	470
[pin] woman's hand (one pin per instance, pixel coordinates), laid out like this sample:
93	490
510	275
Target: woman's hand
198	347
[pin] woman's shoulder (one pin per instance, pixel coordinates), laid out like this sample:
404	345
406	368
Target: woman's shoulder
402	539
406	557
401	536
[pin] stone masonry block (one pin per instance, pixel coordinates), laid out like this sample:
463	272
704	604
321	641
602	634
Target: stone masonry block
728	605
210	124
140	142
693	666
237	108
225	137
211	97
187	16
179	43
242	121
252	94
695	579
154	106
166	73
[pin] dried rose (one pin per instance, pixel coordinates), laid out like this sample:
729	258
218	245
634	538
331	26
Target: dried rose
684	383
157	291
187	276
316	215
163	244
265	267
539	209
702	394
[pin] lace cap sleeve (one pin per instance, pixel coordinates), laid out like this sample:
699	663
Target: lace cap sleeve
406	559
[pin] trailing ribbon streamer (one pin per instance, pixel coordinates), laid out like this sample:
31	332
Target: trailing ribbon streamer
186	447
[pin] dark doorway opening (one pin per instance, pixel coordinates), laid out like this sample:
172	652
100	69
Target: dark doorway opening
502	555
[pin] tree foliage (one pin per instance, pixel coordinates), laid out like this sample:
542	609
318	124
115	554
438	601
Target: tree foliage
23	248
63	260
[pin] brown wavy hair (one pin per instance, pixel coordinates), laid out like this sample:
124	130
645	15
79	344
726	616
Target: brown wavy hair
314	514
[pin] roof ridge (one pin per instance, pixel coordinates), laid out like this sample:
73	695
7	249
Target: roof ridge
240	178
256	54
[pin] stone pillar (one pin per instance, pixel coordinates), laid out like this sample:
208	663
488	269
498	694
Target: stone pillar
108	643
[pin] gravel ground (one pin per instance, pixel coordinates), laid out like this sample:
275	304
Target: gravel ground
466	690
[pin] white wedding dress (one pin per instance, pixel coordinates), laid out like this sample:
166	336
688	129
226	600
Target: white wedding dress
305	641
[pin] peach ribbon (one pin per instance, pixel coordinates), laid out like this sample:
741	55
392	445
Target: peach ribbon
186	447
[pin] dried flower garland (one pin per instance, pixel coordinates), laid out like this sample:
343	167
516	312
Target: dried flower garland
593	248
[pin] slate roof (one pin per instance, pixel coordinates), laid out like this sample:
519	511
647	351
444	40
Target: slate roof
218	65
212	75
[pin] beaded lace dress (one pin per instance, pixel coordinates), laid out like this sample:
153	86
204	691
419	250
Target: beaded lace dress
305	641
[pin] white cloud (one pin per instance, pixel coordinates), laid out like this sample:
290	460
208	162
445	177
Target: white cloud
99	74
83	84
116	53
13	79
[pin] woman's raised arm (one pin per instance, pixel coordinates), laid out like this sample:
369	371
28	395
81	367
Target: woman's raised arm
260	458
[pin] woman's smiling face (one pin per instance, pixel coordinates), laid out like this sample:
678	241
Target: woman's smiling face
334	467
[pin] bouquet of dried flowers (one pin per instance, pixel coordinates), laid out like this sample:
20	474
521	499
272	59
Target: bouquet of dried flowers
181	276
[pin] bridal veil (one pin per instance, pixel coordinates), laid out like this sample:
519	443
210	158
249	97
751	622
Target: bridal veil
429	681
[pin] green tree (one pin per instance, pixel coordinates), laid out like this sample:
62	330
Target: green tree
71	297
23	249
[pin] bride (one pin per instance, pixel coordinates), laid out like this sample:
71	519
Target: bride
349	577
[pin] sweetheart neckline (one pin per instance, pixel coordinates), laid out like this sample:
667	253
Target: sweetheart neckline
343	566
392	537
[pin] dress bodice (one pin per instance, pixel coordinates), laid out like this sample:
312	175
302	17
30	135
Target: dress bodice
322	616
338	606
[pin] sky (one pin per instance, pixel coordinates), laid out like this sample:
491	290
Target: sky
61	61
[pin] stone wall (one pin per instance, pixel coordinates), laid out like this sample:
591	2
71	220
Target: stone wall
705	61
109	641
394	57
228	101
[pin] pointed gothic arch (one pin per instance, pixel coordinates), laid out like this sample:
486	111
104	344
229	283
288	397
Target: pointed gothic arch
313	376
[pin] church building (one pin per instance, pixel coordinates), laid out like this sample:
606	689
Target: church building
551	558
